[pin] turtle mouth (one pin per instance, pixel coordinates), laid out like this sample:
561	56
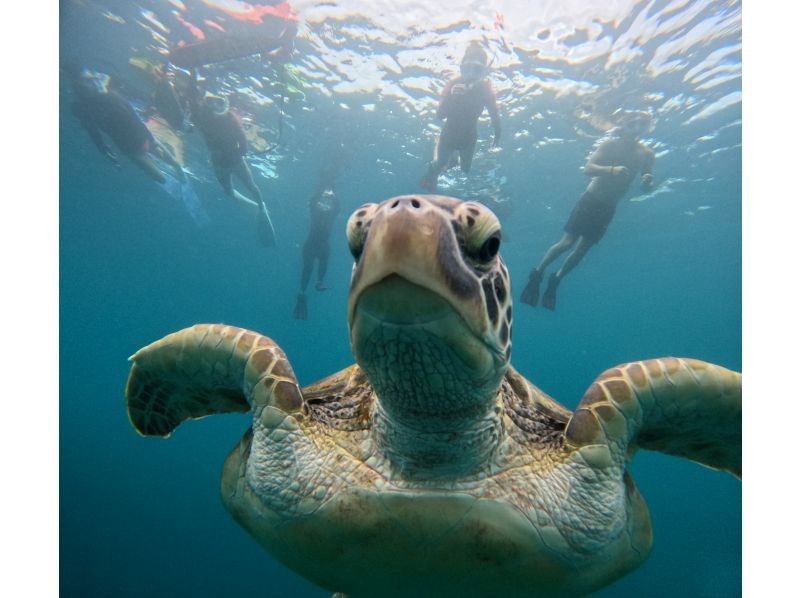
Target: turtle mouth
398	301
395	315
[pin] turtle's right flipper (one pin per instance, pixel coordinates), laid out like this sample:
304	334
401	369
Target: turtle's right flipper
682	407
204	370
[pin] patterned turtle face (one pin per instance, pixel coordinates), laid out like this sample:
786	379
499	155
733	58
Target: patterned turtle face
433	254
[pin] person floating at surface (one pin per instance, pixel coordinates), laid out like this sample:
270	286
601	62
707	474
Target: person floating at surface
463	101
227	145
613	166
102	111
323	208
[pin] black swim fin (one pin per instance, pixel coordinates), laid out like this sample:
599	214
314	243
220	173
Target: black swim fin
530	294
300	307
549	298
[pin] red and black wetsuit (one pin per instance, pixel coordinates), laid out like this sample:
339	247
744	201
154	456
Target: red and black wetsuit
460	106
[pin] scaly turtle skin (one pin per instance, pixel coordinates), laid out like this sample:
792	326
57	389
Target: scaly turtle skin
431	467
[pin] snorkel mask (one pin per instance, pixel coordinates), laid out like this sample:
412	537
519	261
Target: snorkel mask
472	70
634	124
217	104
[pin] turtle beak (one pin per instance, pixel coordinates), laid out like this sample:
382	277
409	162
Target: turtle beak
410	239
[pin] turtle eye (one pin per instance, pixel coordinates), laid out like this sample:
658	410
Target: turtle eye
489	248
356	246
357	228
480	232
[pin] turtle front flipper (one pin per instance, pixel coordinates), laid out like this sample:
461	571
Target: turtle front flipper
682	407
204	370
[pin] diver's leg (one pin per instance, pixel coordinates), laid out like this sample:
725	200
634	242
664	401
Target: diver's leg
266	232
225	178
441	158
301	304
308	265
573	259
322	267
530	293
243	173
555	250
166	155
465	154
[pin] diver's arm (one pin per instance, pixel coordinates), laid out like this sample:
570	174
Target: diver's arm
594	168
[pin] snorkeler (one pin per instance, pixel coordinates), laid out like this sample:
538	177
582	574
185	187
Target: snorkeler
323	208
227	145
463	101
104	111
613	166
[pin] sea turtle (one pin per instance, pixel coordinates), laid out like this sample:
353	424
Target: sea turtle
431	467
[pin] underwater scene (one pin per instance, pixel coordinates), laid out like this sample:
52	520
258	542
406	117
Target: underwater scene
230	162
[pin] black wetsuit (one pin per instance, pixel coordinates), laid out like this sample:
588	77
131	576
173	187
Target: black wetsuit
317	244
224	137
596	208
113	115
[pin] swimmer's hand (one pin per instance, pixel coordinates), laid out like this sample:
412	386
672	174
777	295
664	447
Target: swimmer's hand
458	89
648	181
620	171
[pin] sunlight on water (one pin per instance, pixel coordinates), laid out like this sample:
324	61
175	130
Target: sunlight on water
554	63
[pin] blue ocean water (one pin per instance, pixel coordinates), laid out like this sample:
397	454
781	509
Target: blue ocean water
143	516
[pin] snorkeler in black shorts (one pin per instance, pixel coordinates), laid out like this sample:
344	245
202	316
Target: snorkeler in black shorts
613	166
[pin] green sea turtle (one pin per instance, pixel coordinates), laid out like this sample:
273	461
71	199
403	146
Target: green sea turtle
431	467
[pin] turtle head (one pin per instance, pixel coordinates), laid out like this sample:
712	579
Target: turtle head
429	308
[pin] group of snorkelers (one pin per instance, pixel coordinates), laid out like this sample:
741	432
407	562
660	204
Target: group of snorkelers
104	112
613	166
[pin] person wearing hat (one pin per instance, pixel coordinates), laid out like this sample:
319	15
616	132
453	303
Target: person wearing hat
462	102
227	144
104	112
613	167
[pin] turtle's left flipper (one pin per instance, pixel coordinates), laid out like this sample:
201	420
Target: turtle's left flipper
682	407
204	370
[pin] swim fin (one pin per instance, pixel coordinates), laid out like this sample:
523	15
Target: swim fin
300	307
549	298
266	232
530	294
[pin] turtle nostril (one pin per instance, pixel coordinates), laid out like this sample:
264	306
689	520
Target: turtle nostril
397	201
415	203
